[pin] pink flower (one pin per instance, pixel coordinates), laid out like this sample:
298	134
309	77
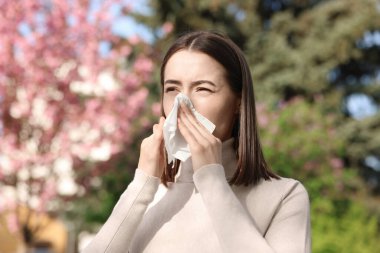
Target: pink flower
42	112
156	109
134	40
336	163
125	50
167	27
143	65
263	120
12	222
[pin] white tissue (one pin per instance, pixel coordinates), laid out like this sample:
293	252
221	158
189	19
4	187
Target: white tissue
176	146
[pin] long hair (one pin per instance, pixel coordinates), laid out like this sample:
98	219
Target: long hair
251	165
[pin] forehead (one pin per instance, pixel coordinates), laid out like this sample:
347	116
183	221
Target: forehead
192	64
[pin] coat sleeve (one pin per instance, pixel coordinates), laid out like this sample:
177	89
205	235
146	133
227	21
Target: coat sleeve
116	234
289	231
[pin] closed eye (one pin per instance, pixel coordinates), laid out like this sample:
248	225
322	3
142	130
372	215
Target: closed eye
203	89
170	89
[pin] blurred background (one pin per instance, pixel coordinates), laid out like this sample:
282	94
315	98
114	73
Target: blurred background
79	90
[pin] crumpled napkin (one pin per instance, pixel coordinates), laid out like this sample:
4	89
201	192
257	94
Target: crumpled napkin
176	146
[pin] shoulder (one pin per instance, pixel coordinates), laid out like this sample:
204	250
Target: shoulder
274	200
288	194
276	192
283	186
288	190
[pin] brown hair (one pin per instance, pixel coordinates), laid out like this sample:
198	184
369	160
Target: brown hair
251	166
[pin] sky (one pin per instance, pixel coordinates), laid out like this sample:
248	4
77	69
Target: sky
125	26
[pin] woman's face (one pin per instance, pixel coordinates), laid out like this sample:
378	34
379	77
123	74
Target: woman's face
203	80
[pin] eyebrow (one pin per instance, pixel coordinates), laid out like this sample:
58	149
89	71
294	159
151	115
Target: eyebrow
198	82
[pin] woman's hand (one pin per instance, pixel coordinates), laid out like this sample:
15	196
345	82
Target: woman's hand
204	147
151	159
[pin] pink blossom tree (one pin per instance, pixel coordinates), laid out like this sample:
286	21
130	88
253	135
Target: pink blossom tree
66	105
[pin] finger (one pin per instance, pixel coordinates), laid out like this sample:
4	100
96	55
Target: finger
186	133
190	128
192	122
158	129
200	127
203	150
162	120
192	136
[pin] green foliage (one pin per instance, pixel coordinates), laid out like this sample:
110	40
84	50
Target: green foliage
298	53
187	15
302	142
363	142
349	230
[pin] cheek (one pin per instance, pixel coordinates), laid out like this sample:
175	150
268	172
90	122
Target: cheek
202	107
211	111
168	102
222	116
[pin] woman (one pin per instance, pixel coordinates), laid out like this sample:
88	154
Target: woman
223	199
